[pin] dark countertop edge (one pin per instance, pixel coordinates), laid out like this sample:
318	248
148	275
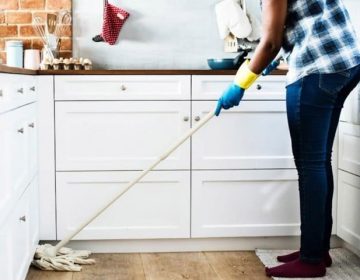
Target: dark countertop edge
13	70
146	72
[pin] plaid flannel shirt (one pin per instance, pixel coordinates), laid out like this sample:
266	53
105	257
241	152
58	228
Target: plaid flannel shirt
319	38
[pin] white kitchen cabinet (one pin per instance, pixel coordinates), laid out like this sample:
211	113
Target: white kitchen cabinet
349	148
157	207
244	203
208	87
16	91
123	87
254	135
351	110
19	236
17	146
349	208
120	135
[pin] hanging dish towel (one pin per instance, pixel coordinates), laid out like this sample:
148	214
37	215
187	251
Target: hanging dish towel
113	20
253	12
231	18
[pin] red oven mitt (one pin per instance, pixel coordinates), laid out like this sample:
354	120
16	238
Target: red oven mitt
114	19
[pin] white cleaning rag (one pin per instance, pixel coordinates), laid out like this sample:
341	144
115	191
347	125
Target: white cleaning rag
231	18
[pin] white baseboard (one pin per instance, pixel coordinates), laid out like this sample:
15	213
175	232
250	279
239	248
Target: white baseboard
189	245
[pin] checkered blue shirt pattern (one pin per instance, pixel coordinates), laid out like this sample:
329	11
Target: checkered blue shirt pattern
319	38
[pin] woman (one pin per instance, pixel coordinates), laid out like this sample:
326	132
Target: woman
323	54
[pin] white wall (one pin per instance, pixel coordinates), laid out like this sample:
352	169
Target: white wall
353	7
159	34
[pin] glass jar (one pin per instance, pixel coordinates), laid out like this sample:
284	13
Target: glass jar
14	53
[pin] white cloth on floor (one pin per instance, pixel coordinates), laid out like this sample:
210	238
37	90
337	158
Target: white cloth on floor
231	18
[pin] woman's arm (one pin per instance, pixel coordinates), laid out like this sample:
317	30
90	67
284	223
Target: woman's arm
274	14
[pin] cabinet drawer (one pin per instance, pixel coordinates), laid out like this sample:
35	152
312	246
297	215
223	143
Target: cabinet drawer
16	91
349	208
253	135
156	207
16	250
120	135
265	88
244	203
122	87
349	148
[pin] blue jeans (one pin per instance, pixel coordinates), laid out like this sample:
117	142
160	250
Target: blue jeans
314	104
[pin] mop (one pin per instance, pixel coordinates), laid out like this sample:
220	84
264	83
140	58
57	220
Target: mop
59	258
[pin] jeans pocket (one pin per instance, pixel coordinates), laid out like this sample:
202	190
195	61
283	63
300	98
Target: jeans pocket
333	83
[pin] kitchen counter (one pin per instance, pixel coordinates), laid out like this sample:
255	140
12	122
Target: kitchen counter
13	70
146	72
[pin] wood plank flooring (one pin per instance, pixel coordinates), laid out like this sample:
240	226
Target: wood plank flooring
164	266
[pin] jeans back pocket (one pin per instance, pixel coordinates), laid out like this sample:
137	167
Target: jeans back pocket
333	83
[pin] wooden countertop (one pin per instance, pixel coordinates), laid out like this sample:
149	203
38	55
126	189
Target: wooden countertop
13	70
146	72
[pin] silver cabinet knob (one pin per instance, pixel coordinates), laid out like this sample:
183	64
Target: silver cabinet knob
21	130
1	93
123	87
22	219
20	90
32	88
197	118
186	119
258	87
32	125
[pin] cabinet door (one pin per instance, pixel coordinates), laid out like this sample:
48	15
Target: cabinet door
349	208
351	110
31	127
5	157
156	207
349	148
251	136
34	225
207	87
244	203
122	87
120	135
6	252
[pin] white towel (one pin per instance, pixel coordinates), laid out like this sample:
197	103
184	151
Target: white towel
231	18
253	11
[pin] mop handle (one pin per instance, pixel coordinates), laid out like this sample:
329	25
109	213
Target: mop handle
137	179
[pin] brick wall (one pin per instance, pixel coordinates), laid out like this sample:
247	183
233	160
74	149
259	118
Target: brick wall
16	17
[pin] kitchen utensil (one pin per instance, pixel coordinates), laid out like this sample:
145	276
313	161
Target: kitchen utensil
51	22
32	59
230	44
227	63
38	26
64	21
49	257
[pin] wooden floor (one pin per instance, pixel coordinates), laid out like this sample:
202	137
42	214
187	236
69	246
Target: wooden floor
164	266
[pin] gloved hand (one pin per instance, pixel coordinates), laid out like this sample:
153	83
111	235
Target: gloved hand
271	67
233	94
230	98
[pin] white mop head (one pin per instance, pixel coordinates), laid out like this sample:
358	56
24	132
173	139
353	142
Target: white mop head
66	259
